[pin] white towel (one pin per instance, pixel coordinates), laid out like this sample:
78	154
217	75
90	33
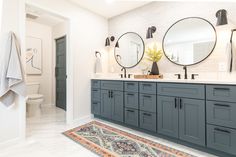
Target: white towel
11	73
98	65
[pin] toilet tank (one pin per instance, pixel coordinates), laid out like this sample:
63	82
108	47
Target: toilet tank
32	88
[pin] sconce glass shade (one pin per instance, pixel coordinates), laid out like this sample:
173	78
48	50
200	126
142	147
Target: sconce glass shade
107	42
150	32
221	17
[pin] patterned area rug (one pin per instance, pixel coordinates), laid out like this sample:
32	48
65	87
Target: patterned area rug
111	142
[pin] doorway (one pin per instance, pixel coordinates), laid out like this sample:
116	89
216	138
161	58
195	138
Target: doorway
60	72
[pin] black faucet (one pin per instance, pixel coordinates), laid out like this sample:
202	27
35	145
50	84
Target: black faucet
185	72
124	72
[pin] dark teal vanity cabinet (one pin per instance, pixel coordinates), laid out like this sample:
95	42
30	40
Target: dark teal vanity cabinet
199	115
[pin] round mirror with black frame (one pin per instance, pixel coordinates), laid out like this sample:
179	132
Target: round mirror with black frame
129	50
189	41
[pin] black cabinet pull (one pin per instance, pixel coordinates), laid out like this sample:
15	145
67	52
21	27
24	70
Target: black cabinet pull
222	89
146	96
175	102
130	94
95	103
130	110
180	103
222	105
95	90
111	94
222	130
147	114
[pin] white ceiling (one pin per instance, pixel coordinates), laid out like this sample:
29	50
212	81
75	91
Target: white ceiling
43	17
109	8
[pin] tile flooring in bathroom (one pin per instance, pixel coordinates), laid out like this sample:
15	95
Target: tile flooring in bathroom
44	138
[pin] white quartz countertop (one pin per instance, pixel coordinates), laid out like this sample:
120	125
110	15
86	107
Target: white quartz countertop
197	81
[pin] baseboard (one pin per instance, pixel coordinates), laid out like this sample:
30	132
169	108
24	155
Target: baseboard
82	120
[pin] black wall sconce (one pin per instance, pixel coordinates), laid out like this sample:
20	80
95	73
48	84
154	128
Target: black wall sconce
150	32
109	40
221	17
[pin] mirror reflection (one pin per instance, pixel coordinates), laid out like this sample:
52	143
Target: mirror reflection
189	41
130	50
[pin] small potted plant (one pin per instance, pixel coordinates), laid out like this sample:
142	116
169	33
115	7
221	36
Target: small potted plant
154	55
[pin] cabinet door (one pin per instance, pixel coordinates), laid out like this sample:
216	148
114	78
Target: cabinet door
96	108
192	121
167	113
105	104
117	106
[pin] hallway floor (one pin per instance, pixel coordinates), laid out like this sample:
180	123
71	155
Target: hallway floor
44	138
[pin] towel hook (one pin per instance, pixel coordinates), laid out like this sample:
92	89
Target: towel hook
98	53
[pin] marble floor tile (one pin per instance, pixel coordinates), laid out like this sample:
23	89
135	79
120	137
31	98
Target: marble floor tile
44	138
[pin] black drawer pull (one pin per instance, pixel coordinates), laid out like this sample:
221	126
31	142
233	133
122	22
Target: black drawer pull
226	89
95	103
222	105
147	114
130	94
130	111
130	84
149	85
221	130
146	96
95	90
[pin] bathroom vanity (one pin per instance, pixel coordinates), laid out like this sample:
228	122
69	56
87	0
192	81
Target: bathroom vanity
197	114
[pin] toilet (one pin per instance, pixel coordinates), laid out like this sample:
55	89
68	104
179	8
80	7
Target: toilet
34	99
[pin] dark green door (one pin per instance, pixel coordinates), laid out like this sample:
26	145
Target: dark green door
117	106
167	112
192	121
60	72
105	104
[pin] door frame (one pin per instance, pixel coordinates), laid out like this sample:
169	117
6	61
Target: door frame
69	64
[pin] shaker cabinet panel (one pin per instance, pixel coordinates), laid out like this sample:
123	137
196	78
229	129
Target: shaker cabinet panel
131	86
148	121
131	117
147	102
221	93
96	84
96	108
147	87
221	113
221	139
192	121
96	94
117	106
167	113
105	104
131	100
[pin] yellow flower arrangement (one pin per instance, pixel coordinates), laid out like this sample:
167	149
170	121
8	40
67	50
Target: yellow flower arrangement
153	54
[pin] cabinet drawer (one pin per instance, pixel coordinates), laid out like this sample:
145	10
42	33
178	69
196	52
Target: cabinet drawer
112	85
96	84
131	117
131	100
147	121
147	87
221	113
221	93
96	108
222	139
96	94
181	90
147	102
131	86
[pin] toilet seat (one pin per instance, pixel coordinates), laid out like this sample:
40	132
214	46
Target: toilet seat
35	96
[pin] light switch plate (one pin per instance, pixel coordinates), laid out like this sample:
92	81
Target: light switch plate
222	67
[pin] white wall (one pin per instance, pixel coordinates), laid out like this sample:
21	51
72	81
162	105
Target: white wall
44	33
12	120
87	33
163	15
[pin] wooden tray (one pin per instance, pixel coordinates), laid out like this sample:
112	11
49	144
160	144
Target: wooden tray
148	76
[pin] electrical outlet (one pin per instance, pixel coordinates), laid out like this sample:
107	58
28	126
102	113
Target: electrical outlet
222	67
